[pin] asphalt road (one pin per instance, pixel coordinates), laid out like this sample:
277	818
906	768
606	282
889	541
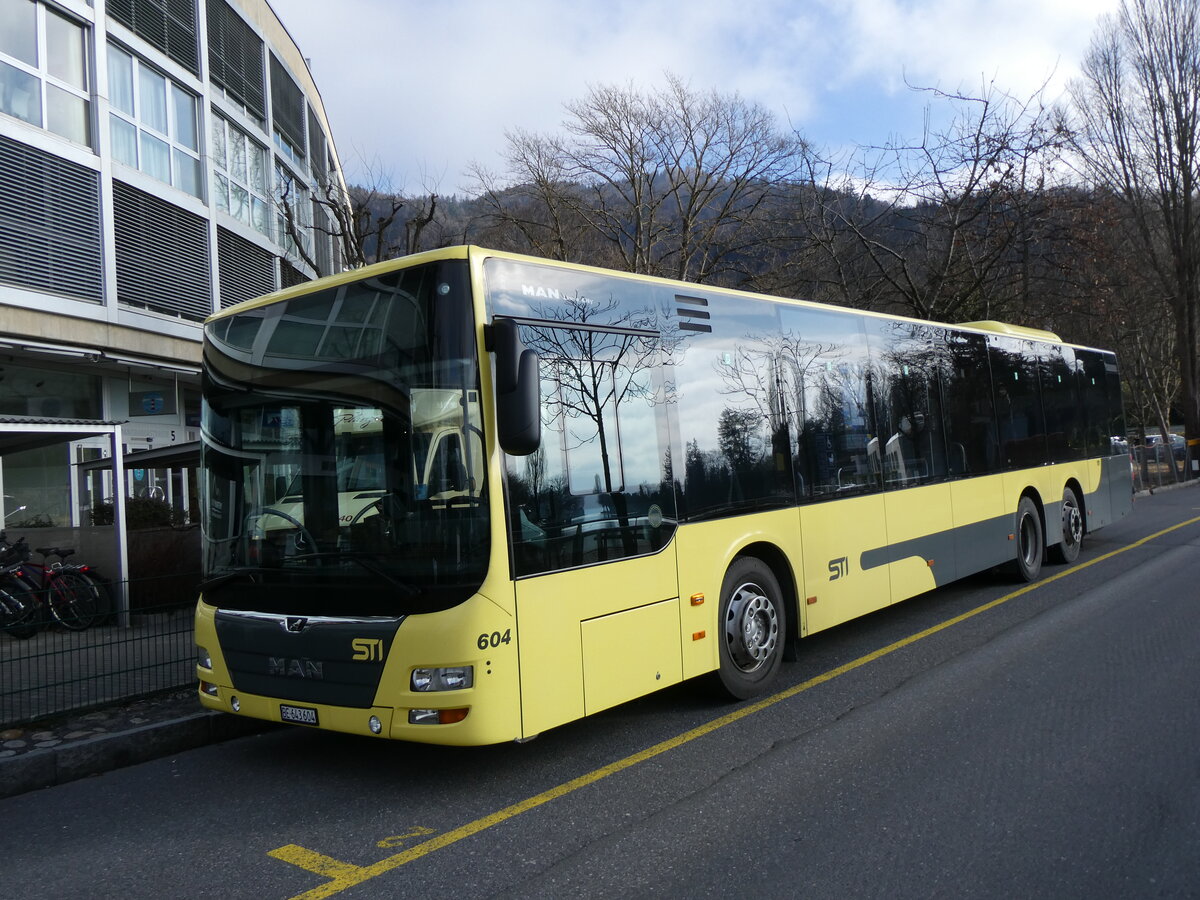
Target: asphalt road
979	741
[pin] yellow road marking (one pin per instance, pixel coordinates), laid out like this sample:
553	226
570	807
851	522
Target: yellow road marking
345	875
317	863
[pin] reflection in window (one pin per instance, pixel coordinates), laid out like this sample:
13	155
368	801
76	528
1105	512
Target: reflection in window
588	433
599	486
909	365
1060	402
1095	404
293	206
27	391
967	395
240	176
834	388
1020	422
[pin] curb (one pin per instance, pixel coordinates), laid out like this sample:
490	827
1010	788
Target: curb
59	765
1158	489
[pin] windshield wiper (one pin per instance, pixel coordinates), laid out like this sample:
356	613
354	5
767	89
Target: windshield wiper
367	562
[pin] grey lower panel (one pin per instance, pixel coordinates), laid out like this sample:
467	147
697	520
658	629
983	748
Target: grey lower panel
981	545
958	552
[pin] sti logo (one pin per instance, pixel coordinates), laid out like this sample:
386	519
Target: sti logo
367	649
839	568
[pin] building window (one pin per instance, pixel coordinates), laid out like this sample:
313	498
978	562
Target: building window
318	153
49	223
155	122
49	393
169	25
44	69
294	212
235	60
240	176
162	255
287	113
246	270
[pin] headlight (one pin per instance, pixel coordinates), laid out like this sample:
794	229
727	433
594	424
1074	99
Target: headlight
203	658
450	678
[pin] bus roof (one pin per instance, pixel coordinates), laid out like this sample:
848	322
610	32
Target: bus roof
471	251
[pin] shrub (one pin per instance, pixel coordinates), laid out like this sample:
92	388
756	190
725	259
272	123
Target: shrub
140	512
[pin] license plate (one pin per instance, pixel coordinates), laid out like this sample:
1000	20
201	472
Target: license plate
301	715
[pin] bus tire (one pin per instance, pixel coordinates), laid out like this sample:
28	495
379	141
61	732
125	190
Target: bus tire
751	628
1071	539
1030	541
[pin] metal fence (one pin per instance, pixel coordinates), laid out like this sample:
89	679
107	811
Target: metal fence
1157	466
121	657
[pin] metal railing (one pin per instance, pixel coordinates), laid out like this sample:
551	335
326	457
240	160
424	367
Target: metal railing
1158	466
57	671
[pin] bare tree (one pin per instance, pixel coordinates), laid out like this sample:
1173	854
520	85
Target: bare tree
664	182
359	224
539	206
945	228
1137	128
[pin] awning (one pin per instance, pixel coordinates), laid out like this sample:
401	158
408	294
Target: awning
19	433
173	456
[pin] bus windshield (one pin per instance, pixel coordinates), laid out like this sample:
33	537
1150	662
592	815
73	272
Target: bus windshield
343	450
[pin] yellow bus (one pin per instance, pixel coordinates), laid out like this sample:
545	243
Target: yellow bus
467	496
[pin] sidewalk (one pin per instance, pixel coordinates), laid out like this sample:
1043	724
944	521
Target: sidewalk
90	743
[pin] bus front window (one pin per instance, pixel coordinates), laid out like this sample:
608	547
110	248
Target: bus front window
343	451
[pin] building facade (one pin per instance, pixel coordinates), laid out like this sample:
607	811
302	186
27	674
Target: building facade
158	160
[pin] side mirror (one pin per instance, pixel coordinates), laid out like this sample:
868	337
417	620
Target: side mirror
518	390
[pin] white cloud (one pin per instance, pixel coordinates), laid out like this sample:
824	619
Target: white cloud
419	90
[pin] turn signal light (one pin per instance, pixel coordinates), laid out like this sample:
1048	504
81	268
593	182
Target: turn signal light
437	716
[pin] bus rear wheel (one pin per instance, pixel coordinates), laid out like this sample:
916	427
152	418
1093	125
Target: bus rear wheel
1071	540
752	630
1030	541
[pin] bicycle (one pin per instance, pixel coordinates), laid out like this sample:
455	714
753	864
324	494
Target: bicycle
83	577
18	602
72	599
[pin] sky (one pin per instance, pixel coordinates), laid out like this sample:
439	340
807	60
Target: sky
418	91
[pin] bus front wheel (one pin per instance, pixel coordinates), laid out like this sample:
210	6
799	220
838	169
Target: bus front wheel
1030	541
751	628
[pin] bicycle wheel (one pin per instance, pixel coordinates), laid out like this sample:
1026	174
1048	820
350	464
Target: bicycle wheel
18	610
74	602
104	597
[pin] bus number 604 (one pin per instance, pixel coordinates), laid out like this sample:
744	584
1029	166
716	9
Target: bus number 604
495	639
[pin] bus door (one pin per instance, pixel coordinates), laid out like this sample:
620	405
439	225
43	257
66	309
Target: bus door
591	515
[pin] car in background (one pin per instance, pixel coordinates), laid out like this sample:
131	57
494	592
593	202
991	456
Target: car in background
1155	449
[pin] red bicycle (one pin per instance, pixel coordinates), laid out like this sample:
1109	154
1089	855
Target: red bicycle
73	600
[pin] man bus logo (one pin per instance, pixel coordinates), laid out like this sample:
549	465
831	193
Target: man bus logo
366	649
285	667
838	568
